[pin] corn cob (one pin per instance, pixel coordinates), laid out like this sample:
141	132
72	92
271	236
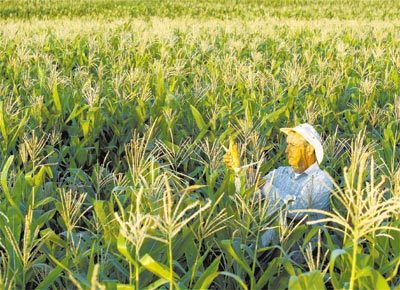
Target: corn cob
233	148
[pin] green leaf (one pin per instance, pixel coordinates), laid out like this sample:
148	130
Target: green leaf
21	124
78	109
56	99
310	280
118	265
236	278
364	261
269	274
41	75
106	219
277	113
3	129
198	118
64	265
91	263
37	179
40	221
48	282
375	281
85	125
335	254
122	248
157	284
4	184
208	275
227	245
117	286
125	287
156	268
53	237
44	201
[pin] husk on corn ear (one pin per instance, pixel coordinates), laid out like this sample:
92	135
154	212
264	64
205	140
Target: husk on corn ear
233	148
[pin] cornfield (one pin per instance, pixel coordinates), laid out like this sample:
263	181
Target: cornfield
114	116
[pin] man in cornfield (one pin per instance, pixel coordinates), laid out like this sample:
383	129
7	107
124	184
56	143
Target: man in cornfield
302	185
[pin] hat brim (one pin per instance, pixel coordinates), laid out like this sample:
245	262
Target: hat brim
287	130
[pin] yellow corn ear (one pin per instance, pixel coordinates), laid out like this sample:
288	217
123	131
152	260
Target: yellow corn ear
233	148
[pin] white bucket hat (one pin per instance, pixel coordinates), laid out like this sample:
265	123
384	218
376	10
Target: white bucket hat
311	135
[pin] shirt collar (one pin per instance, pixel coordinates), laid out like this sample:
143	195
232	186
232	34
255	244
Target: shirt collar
312	169
309	171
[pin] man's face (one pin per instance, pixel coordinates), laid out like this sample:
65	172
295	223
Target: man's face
296	151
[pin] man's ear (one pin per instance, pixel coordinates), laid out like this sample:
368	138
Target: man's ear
310	149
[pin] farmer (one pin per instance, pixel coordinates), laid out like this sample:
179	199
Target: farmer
302	185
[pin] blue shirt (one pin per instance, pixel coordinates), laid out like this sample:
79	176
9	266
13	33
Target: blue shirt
308	190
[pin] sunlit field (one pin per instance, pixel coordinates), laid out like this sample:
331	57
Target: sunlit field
114	116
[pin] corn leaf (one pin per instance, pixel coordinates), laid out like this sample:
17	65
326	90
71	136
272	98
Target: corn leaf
198	119
336	254
156	268
208	276
56	99
48	282
4	184
157	284
3	129
310	280
122	248
375	279
227	245
236	278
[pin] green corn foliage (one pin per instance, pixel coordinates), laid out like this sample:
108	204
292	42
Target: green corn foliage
367	218
113	121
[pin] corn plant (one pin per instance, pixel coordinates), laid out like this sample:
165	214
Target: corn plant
114	118
369	216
